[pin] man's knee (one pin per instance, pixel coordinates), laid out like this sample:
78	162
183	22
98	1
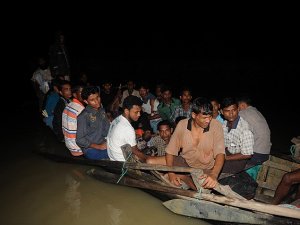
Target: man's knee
286	179
150	160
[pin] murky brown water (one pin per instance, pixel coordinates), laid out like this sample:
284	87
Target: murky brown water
35	190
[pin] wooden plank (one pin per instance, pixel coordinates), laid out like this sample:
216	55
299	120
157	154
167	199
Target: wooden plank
263	198
283	167
209	210
266	185
145	166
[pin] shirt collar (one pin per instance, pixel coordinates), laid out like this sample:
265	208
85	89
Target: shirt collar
189	126
235	123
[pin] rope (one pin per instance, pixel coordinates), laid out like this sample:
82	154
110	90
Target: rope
124	170
292	150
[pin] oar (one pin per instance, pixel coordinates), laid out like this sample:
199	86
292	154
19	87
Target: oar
246	204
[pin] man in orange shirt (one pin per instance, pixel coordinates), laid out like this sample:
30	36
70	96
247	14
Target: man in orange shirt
197	142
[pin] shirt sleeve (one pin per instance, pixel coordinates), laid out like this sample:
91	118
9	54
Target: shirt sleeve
247	143
175	142
81	139
130	137
219	143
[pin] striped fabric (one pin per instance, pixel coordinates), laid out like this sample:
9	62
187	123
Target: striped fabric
69	125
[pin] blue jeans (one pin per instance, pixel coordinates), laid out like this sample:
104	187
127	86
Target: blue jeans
95	154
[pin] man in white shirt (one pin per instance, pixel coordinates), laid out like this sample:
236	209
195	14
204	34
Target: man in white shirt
121	131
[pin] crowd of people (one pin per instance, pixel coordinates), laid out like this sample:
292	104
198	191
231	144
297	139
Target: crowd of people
226	136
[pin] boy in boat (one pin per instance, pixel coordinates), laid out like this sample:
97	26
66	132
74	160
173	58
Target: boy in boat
92	126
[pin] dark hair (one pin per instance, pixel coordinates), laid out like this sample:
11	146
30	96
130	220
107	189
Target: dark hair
245	99
87	91
76	87
185	89
214	99
164	122
61	83
130	101
165	88
228	101
55	82
58	34
202	105
143	85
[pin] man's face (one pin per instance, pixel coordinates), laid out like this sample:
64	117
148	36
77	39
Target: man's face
242	106
78	94
230	113
166	96
66	91
186	97
216	106
130	85
165	133
106	87
135	113
143	92
94	101
201	120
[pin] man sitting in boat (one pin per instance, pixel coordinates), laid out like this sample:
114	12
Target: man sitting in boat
288	180
200	141
238	138
260	129
69	120
121	131
92	126
161	141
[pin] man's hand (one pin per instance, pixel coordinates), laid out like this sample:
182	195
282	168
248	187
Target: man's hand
174	179
210	180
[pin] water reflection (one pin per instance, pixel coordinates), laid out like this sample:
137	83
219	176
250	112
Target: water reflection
114	214
73	196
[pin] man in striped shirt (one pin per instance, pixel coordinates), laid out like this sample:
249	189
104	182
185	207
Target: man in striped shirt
69	120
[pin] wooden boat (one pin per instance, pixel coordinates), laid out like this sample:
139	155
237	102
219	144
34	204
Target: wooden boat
225	206
208	206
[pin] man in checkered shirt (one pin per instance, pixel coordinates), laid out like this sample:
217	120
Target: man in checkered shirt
238	138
